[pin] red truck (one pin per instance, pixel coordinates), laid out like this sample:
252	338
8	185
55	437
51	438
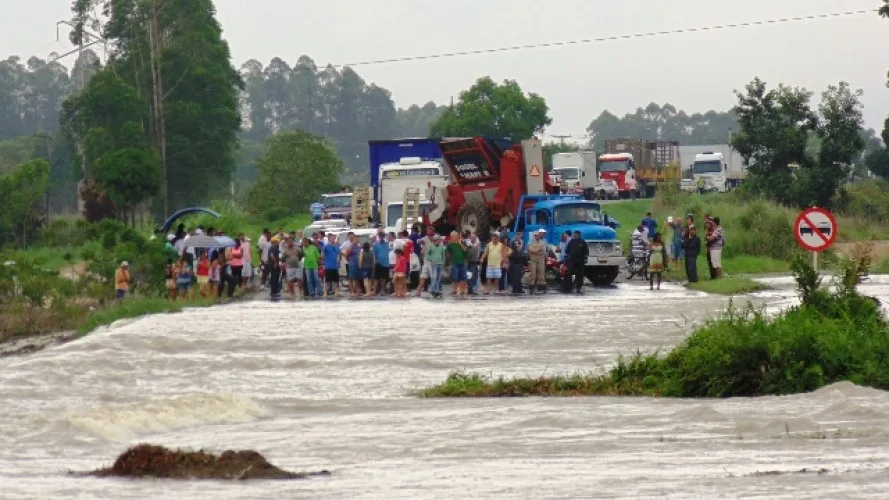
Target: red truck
488	178
646	162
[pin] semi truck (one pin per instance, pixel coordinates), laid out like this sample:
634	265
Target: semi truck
713	168
576	174
489	177
647	162
559	213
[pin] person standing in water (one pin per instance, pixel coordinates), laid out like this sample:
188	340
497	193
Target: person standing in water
657	261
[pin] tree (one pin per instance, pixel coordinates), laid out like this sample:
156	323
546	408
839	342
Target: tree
493	110
173	55
780	130
129	176
23	192
415	120
656	122
296	170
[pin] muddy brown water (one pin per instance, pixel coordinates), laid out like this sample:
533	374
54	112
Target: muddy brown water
327	386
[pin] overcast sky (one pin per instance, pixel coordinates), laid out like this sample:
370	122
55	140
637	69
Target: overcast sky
695	71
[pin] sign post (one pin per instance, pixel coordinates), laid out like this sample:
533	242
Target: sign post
815	230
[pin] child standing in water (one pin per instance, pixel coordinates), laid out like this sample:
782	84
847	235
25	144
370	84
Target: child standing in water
401	267
657	261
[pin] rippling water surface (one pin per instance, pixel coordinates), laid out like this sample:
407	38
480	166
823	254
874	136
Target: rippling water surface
328	385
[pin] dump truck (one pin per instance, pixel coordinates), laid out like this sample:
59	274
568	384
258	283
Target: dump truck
647	162
559	213
489	177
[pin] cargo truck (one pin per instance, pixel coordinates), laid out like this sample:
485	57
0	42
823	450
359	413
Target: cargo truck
647	162
576	174
713	168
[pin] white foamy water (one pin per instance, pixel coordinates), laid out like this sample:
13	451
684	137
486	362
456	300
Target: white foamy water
316	385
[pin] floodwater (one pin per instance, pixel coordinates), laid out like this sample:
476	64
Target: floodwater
328	386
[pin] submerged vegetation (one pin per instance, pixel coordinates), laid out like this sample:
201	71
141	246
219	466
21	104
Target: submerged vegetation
832	336
151	461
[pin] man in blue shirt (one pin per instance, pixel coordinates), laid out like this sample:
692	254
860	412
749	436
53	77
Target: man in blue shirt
331	253
651	224
316	209
381	262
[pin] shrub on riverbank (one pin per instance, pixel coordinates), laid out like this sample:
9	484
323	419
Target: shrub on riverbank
831	337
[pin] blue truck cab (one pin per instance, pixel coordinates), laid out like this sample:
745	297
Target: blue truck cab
560	213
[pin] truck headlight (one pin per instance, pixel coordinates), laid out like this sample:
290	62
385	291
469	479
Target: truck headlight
617	249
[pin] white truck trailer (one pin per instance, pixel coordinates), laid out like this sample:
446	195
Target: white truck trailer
577	174
714	168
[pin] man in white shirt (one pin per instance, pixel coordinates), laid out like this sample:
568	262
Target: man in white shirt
264	245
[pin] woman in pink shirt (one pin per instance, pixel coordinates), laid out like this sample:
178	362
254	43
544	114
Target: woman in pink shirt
237	262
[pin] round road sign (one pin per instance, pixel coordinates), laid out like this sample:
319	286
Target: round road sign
815	229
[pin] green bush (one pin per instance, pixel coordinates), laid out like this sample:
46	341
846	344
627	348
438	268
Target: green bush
830	337
868	199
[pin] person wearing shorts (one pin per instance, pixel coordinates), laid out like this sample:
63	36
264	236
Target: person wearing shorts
331	255
204	275
493	255
381	263
457	251
183	279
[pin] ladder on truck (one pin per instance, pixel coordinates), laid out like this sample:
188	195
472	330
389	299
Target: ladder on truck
410	208
362	211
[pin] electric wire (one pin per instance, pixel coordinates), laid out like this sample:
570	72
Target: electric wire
715	27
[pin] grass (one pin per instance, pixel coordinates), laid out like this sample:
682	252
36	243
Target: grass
729	285
461	385
134	307
831	337
759	237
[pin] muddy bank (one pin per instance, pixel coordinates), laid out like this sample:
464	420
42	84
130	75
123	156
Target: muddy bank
18	346
150	461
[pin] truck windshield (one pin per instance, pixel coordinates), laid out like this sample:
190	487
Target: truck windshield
568	174
577	214
395	211
338	201
614	166
708	167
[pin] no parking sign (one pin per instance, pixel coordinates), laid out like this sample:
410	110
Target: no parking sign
815	229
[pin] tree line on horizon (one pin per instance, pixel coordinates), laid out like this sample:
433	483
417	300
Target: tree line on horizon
166	121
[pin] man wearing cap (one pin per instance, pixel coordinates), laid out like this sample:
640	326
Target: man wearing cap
537	261
122	280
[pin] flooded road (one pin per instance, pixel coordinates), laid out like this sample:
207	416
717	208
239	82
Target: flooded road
327	385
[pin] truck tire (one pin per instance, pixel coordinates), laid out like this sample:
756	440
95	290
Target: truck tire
602	276
589	194
475	217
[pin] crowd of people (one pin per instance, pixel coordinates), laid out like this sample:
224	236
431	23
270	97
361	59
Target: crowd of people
683	247
407	263
393	264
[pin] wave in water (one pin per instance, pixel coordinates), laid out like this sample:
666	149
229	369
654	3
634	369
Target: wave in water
125	422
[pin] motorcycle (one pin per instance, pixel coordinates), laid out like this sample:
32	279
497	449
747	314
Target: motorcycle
637	264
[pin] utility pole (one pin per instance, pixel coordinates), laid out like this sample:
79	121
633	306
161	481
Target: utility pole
562	138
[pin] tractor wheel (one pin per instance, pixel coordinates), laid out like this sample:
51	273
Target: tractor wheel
474	217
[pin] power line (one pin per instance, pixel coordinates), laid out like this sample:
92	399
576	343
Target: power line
715	27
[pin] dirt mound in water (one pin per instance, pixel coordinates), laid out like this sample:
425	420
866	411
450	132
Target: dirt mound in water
147	460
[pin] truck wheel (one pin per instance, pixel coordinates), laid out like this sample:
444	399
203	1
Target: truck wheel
589	194
474	217
602	276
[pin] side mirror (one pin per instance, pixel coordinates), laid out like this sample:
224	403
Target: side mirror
583	174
